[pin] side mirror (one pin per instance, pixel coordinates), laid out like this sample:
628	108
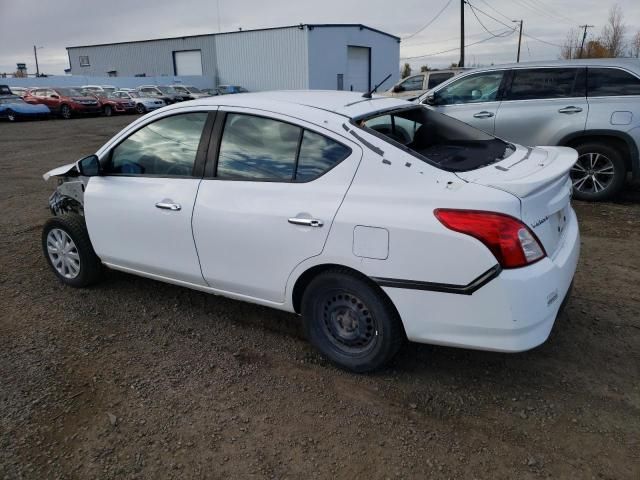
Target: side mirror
398	88
89	166
430	99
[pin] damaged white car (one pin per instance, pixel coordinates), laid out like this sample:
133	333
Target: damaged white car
375	219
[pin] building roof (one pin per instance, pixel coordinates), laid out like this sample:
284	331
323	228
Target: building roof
309	26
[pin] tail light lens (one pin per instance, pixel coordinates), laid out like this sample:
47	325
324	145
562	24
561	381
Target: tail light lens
511	241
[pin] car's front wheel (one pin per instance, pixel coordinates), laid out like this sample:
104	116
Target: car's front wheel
599	172
140	108
68	250
350	321
108	111
65	112
11	116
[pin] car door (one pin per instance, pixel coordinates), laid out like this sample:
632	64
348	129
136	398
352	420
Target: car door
138	210
270	200
541	106
472	98
52	100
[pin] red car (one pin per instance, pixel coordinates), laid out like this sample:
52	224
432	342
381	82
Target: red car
111	105
65	101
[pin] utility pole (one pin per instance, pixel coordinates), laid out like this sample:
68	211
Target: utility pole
35	54
519	39
461	62
584	36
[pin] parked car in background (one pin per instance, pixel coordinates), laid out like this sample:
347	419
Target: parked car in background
377	220
20	91
64	101
590	105
412	87
113	104
190	91
105	89
228	89
13	107
142	104
210	91
168	94
5	90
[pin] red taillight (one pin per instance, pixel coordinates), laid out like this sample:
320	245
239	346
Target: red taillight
511	241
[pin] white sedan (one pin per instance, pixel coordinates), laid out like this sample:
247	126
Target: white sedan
375	219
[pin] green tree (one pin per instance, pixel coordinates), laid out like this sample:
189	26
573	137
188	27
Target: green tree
406	70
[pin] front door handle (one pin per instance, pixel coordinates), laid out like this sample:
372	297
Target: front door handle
570	110
307	222
483	114
168	206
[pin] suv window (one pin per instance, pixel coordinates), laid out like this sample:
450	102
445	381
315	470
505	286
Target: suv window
607	82
413	83
543	83
437	78
475	88
166	147
258	148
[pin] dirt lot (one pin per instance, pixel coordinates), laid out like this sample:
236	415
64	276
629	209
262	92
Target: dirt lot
138	379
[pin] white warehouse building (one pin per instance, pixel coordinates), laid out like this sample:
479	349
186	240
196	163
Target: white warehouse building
330	56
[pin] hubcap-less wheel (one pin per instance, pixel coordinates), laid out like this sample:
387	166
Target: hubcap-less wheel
63	253
592	173
66	112
348	324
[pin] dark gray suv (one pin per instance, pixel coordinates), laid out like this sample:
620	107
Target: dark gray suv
590	105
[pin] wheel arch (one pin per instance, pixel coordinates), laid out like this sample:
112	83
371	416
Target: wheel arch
621	141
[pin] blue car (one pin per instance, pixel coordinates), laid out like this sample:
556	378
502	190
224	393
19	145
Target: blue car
12	107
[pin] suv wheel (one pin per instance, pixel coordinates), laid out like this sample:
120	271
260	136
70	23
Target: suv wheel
599	172
350	322
68	250
65	111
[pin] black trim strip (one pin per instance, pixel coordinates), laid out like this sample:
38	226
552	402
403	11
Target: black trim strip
370	146
468	289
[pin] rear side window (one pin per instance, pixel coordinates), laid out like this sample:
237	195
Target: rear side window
544	83
264	149
413	83
607	82
438	78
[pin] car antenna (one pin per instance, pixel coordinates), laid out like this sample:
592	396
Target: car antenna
373	90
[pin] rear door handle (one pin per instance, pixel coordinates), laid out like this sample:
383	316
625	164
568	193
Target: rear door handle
307	222
483	114
570	110
168	206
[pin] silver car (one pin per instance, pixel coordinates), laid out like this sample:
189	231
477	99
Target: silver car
590	105
143	104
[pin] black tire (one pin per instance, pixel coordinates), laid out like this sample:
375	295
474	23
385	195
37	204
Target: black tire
594	157
108	111
140	108
350	321
11	116
65	111
89	266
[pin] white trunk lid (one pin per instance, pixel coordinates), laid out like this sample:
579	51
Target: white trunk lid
539	177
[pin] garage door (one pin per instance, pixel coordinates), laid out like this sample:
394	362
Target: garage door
188	62
357	69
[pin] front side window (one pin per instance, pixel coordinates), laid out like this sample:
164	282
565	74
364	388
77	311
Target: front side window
438	139
256	148
412	83
545	83
167	147
477	88
607	82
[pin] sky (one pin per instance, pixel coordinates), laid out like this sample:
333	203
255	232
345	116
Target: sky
56	24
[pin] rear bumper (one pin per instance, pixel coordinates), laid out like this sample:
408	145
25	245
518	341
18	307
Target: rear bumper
513	312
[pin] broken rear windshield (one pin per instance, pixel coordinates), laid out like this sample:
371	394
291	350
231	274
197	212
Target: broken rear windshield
440	140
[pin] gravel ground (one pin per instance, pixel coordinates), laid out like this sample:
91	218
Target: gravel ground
137	379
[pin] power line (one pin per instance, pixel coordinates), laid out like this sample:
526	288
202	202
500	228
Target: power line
473	10
451	49
430	21
551	10
540	40
495	10
491	16
450	39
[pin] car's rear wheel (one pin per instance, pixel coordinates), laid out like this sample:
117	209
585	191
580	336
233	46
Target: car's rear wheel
108	111
65	112
350	321
599	172
11	116
140	108
68	250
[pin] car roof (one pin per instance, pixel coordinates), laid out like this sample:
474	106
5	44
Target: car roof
630	63
316	103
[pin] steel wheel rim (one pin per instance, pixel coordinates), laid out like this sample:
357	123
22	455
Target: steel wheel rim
592	173
63	253
348	323
66	112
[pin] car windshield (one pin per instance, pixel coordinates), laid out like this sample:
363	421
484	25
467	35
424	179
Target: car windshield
438	139
167	89
11	100
134	94
193	89
69	92
108	90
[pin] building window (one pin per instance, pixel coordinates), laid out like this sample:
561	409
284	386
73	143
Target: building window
340	85
112	73
84	61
